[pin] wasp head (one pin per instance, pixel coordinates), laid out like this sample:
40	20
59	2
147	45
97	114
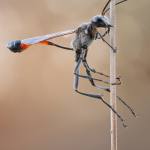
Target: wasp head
101	22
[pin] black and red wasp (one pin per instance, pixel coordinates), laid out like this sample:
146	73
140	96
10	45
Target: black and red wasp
84	35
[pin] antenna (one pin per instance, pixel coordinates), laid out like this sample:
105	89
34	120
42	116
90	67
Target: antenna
104	11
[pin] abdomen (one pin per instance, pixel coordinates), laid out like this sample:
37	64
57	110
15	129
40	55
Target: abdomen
17	46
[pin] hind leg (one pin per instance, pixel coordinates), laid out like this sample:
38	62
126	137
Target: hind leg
76	81
105	88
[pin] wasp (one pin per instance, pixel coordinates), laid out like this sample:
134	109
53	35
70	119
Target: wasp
84	35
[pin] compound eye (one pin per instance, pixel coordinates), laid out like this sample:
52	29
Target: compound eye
98	21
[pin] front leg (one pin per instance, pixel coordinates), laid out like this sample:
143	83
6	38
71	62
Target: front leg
98	34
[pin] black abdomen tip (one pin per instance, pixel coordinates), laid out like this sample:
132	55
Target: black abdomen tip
14	46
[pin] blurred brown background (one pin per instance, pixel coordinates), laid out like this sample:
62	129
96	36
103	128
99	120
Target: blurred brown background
39	109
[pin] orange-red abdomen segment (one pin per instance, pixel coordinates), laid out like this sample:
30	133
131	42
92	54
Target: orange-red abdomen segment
23	47
44	42
47	43
17	46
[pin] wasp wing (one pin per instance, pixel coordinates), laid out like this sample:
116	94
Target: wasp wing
69	36
38	39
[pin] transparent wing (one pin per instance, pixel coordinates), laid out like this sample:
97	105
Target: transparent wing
38	39
69	36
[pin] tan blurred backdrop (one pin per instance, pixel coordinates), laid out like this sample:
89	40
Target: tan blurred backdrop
39	109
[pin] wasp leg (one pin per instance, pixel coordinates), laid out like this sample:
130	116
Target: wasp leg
134	114
94	71
106	89
88	77
82	58
114	49
97	36
76	81
91	80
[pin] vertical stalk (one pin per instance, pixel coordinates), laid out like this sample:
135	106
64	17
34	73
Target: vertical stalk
113	76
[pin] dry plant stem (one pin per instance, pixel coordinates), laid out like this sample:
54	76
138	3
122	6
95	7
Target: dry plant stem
113	76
